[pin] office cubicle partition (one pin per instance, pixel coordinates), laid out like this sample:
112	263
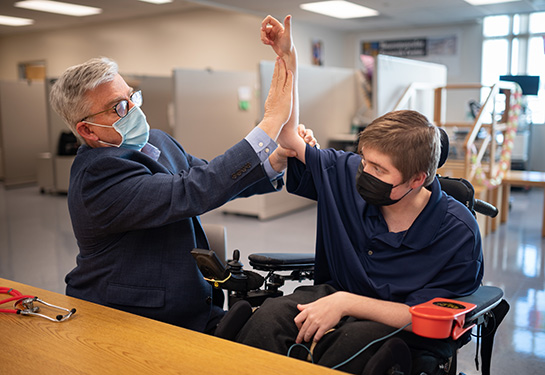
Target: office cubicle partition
207	116
23	125
210	117
328	98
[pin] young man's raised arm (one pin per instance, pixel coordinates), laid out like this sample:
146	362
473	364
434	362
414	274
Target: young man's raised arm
279	37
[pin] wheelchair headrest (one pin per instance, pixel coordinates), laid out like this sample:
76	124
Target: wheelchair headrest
444	147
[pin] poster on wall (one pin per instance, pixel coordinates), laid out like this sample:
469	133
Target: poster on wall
398	48
317	47
439	49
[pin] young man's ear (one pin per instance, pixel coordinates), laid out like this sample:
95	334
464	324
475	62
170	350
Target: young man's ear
85	131
418	180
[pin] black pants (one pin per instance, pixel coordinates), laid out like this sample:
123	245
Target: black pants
272	328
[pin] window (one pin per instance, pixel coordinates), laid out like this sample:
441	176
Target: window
495	60
514	45
496	26
537	22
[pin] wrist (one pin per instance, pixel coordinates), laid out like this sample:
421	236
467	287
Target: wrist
290	58
270	126
349	303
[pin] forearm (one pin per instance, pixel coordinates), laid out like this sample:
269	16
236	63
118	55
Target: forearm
394	314
292	65
289	137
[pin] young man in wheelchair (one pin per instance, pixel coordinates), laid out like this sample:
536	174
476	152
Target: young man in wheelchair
388	238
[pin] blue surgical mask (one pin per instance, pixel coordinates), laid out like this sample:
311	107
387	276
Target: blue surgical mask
133	128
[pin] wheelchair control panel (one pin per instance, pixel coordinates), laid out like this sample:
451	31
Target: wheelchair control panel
243	284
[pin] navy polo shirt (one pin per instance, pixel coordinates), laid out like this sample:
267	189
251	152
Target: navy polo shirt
440	255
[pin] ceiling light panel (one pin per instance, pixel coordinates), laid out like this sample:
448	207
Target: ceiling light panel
339	9
58	7
157	1
488	2
15	21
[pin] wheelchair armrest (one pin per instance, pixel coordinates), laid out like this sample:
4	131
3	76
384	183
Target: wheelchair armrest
282	261
486	298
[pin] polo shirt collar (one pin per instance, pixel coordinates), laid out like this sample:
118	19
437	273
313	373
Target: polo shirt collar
427	224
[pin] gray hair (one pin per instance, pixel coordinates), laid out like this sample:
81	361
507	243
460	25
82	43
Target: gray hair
67	95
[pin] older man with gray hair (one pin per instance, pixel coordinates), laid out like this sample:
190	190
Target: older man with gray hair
135	195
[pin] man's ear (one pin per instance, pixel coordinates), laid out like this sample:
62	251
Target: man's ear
85	131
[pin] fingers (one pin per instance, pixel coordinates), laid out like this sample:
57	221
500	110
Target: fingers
307	135
286	152
270	28
300	321
280	78
279	158
310	331
300	318
307	331
287	24
279	102
287	75
269	20
276	73
306	327
301	130
288	85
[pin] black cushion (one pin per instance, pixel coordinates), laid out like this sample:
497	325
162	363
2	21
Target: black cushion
282	261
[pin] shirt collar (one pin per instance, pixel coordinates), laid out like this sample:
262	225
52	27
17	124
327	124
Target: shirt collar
148	149
427	224
151	151
423	229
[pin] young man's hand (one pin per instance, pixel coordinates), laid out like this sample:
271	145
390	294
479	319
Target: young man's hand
279	158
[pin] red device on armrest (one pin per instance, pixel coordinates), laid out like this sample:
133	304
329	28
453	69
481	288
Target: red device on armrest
441	318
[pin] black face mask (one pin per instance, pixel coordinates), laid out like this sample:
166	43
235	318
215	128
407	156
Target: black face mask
375	191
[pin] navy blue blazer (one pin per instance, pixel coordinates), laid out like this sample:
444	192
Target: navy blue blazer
136	220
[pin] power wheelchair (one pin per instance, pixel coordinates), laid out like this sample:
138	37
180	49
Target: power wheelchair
490	307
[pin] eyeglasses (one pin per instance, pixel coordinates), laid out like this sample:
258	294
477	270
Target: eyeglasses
122	108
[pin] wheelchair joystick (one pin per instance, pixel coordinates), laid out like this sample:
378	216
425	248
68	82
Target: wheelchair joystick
244	280
235	266
230	276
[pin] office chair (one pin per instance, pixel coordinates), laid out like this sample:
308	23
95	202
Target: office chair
246	285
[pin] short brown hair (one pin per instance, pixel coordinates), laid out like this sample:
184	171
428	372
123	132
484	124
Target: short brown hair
411	141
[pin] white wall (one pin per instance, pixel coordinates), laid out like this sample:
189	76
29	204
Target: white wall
197	39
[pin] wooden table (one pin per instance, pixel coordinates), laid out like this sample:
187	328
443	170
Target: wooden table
101	340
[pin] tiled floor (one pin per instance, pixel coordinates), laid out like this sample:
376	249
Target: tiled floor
37	247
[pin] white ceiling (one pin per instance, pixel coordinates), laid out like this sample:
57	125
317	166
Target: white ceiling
393	13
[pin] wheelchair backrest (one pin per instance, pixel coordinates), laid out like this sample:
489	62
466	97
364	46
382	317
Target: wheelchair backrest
458	188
